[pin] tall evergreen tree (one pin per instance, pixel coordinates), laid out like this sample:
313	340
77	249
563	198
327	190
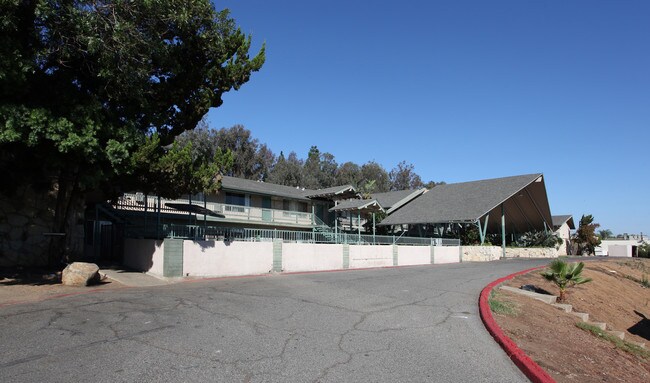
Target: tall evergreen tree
372	171
585	237
88	86
403	177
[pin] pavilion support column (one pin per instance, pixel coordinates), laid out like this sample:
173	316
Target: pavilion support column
158	221
503	230
374	231
146	209
359	225
336	223
483	230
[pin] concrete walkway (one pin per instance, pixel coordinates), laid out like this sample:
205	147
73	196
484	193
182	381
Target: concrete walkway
133	278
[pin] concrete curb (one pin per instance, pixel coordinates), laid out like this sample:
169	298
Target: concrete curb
531	369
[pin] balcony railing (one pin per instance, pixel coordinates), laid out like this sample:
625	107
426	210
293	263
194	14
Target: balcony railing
198	232
140	202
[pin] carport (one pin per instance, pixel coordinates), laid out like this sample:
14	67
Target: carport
502	205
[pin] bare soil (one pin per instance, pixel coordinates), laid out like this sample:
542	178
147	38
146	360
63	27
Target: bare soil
569	354
19	285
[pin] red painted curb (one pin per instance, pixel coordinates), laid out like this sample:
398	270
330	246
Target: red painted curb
531	369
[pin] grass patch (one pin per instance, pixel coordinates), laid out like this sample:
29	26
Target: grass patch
643	281
498	306
619	343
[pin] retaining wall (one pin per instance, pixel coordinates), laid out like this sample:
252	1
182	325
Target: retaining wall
362	256
144	255
481	253
218	258
493	253
415	255
307	257
532	252
447	254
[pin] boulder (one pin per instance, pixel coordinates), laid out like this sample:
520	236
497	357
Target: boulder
80	274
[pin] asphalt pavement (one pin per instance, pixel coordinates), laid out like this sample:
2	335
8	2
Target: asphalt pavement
409	324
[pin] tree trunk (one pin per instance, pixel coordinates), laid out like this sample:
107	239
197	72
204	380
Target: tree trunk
67	196
562	297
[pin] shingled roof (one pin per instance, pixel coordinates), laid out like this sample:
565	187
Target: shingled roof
559	220
395	199
364	205
334	191
263	188
524	199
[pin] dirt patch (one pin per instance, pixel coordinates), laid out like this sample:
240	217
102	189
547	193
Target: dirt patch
550	337
32	285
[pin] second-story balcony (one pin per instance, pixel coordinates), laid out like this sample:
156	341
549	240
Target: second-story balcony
232	213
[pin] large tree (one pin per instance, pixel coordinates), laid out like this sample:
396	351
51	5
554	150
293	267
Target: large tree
319	169
585	237
250	159
404	177
89	86
372	171
348	173
287	171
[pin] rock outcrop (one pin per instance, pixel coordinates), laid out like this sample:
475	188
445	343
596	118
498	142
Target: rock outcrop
80	274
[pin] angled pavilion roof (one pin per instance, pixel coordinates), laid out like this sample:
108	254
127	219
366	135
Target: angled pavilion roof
334	192
362	205
523	198
393	200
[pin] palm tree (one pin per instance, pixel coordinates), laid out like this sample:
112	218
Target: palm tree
565	275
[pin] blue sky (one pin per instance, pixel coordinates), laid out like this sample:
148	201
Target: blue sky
464	90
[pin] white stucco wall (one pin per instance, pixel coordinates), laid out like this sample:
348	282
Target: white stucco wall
218	258
310	257
563	232
362	256
413	255
144	255
619	250
446	254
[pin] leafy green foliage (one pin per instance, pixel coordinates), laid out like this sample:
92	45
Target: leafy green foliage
565	275
403	177
585	237
502	307
251	160
287	171
643	250
605	233
83	84
538	239
469	235
619	343
92	92
373	171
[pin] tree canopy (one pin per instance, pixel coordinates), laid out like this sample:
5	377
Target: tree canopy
86	85
585	237
93	94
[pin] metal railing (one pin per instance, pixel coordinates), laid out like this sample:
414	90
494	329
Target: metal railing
199	232
140	202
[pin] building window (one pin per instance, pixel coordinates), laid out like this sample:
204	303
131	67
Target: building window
235	199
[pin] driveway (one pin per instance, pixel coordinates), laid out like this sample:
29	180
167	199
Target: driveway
409	324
